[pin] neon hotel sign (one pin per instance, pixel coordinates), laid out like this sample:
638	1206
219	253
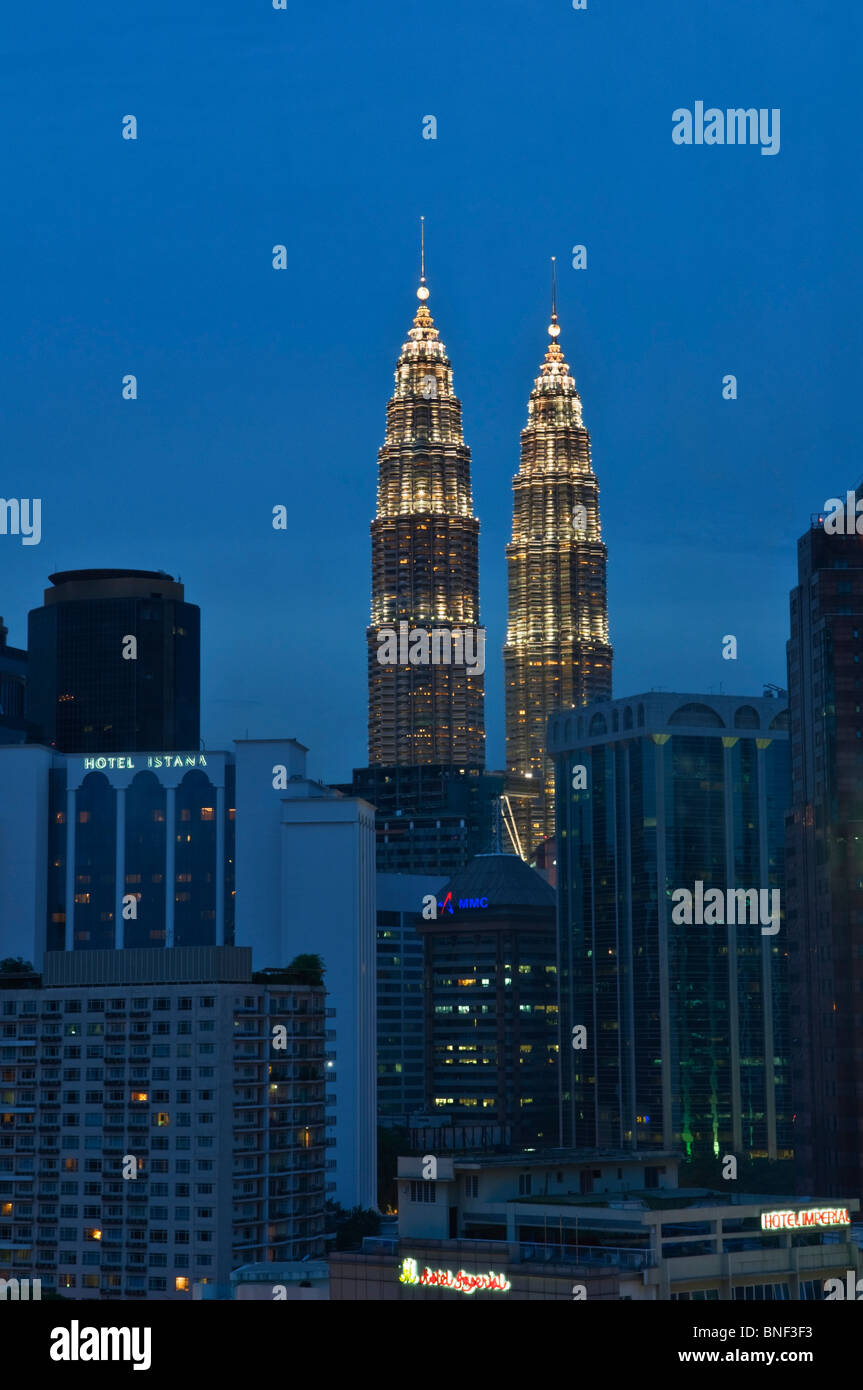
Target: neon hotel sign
812	1216
166	760
462	1282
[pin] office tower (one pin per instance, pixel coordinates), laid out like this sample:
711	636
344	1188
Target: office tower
491	1001
166	1059
431	819
13	677
401	1025
426	708
825	853
557	652
114	663
680	1005
426	651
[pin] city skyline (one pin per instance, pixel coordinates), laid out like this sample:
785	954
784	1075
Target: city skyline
377	385
700	262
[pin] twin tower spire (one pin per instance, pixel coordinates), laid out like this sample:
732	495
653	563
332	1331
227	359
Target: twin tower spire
426	648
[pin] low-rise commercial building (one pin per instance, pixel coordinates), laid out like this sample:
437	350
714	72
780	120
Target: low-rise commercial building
603	1224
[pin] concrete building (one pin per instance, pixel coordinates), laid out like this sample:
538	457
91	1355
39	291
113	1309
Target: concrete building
163	849
152	1134
300	1281
594	1225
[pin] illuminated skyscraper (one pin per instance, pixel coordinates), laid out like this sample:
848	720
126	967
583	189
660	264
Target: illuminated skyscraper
557	652
425	578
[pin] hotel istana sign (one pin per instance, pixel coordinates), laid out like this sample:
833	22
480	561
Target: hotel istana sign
152	760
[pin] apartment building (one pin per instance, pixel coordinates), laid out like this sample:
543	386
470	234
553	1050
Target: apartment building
162	1121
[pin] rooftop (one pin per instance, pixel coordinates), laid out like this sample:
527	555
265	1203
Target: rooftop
504	880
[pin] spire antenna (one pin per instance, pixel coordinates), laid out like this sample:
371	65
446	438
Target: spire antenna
422	292
553	327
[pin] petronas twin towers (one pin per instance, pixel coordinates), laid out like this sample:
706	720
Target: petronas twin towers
426	706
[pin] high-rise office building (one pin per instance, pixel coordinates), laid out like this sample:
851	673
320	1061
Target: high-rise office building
435	804
432	819
557	652
491	1001
153	1135
425	706
114	663
401	1023
673	951
825	855
13	678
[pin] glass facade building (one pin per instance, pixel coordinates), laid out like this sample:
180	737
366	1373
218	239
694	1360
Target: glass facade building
825	855
400	1014
120	836
687	1039
84	695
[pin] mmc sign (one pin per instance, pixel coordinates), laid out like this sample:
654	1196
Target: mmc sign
432	909
812	1216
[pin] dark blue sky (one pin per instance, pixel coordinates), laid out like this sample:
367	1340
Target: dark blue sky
259	387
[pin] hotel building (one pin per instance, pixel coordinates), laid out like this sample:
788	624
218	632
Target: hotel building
159	850
596	1225
152	1133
